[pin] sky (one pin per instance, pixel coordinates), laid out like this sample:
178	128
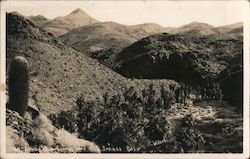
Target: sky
165	13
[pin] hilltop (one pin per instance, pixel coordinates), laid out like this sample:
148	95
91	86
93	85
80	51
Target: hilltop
39	19
232	28
197	28
62	24
170	56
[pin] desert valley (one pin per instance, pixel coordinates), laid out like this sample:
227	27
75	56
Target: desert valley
106	87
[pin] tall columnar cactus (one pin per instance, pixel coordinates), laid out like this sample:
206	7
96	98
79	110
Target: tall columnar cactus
18	85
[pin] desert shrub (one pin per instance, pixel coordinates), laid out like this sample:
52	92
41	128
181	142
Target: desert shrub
18	83
42	131
122	123
66	120
188	139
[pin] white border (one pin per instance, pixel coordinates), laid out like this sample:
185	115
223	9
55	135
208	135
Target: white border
246	123
2	81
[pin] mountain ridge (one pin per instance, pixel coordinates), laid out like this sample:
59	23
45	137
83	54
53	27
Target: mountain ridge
77	18
62	24
104	40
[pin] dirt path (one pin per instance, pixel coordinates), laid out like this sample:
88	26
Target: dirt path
198	112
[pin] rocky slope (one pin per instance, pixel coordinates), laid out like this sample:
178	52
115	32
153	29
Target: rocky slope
58	73
38	135
104	40
61	25
184	58
39	19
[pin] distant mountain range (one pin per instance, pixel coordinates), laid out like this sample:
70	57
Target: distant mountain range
104	40
78	18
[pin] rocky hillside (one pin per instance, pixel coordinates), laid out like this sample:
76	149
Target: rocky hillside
184	58
58	73
39	19
61	25
104	40
38	135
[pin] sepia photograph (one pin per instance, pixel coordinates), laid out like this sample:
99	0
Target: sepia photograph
125	78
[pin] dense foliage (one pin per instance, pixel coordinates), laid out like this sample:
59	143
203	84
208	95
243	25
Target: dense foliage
127	123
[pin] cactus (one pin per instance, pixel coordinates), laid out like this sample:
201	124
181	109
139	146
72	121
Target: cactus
18	85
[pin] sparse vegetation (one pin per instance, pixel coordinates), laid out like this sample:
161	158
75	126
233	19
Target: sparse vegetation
39	135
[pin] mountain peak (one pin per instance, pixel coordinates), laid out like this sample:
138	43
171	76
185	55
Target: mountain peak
38	19
77	11
79	14
62	24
